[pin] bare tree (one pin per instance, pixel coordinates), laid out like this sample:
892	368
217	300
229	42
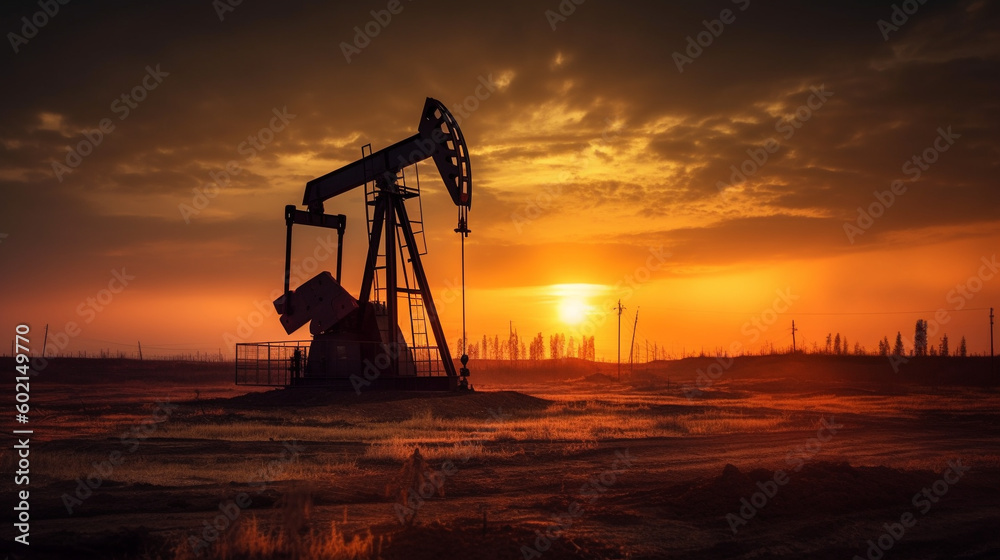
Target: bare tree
537	349
920	338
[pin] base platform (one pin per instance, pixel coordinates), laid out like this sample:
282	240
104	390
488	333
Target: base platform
287	364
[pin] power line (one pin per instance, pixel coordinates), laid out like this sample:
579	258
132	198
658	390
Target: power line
829	313
163	346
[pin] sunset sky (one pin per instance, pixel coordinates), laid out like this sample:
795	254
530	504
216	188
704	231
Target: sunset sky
603	145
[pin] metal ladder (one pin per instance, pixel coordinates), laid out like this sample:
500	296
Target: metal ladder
425	356
423	353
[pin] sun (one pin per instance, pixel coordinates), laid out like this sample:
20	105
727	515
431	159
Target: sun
572	302
572	311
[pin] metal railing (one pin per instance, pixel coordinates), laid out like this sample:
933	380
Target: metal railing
281	364
270	363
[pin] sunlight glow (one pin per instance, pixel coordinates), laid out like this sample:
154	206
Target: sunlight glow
573	311
573	301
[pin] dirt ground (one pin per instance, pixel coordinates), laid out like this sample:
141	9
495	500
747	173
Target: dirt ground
751	467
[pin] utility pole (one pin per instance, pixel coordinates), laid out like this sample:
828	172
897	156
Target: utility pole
991	341
45	340
793	336
632	350
620	309
510	342
140	350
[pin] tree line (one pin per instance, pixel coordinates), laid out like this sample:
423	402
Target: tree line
514	347
556	346
920	346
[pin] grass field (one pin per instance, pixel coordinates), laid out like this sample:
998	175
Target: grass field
170	465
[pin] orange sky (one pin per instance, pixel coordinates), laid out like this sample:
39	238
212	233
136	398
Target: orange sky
597	169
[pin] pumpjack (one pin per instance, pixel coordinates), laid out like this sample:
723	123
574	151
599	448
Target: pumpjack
357	342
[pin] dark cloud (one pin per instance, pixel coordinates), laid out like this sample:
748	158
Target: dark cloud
600	92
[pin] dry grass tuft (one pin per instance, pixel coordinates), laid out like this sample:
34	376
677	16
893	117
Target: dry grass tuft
399	449
415	479
293	540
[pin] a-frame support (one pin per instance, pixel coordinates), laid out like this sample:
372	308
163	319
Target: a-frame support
389	216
